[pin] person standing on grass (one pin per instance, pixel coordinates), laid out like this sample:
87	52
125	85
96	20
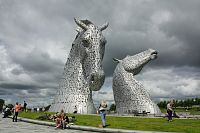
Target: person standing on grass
102	112
169	110
16	111
25	104
75	110
4	108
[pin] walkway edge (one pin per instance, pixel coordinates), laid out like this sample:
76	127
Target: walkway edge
88	128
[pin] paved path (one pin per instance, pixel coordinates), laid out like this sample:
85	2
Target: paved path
7	126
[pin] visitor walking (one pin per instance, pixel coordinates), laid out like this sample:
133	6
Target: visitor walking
75	110
102	112
25	104
16	111
4	108
169	110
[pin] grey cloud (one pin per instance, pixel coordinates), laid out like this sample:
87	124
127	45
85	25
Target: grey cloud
4	91
16	86
38	62
17	71
178	82
183	26
48	91
183	50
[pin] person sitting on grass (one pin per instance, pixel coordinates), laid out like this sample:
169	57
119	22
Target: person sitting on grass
7	112
65	121
60	120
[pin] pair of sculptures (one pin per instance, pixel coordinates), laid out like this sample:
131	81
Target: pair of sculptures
83	73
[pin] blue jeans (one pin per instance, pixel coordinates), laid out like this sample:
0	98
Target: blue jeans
169	114
103	117
15	116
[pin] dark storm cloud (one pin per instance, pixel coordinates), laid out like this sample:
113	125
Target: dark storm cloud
4	91
38	62
179	44
184	26
16	86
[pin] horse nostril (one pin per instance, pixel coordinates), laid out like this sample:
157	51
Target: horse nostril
92	78
96	80
154	53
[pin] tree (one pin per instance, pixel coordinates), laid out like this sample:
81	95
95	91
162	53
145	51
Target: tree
47	107
2	101
162	104
10	106
1	104
112	107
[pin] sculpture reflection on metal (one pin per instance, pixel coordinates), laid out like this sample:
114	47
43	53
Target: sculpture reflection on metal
130	95
83	71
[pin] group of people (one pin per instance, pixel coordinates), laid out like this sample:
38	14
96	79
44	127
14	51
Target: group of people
61	120
102	111
16	109
6	111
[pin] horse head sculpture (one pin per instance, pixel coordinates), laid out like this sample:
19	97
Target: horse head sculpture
93	46
134	64
129	94
83	72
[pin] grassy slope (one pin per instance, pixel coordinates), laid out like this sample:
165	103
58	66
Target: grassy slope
133	123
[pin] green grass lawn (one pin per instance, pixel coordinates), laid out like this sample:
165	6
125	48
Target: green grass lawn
132	123
192	111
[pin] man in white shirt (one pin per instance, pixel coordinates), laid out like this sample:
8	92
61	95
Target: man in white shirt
169	110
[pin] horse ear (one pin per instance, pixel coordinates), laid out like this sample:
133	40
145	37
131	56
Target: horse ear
78	29
81	24
116	60
104	26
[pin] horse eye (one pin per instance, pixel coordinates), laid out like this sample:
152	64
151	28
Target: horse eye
104	42
85	43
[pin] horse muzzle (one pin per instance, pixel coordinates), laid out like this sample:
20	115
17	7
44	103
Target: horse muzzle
154	55
96	80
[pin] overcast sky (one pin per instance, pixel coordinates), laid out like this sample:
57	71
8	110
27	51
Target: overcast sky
36	37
